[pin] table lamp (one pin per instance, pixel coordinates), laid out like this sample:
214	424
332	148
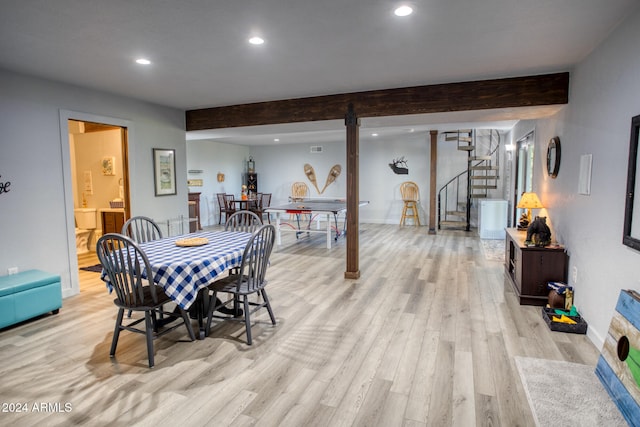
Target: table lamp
529	201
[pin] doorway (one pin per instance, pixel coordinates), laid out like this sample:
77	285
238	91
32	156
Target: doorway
99	187
524	171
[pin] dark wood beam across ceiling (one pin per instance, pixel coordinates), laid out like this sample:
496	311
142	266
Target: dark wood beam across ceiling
548	89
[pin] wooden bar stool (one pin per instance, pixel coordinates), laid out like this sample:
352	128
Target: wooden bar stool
410	196
299	191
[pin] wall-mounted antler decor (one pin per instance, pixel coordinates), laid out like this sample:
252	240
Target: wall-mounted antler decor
399	166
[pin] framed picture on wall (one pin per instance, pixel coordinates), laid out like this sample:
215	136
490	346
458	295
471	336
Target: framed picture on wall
108	166
164	170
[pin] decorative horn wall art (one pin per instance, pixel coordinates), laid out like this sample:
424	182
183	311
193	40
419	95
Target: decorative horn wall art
334	173
399	166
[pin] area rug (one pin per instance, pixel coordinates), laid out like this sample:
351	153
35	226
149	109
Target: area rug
493	249
566	394
93	268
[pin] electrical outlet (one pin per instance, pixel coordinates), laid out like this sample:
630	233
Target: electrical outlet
12	270
574	275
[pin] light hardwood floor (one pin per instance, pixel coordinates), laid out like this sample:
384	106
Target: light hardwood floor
426	336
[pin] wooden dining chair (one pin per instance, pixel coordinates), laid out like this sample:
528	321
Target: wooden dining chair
245	221
141	229
124	264
410	196
249	280
255	200
263	203
229	205
222	206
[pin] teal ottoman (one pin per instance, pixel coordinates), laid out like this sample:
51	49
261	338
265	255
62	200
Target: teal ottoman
28	294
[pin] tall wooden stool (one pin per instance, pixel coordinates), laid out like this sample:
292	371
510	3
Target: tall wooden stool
410	196
299	191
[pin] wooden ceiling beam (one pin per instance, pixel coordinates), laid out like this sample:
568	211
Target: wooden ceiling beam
548	89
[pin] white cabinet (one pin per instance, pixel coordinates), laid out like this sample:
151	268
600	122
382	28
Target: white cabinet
492	219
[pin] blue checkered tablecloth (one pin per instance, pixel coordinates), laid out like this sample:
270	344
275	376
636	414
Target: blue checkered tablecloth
183	271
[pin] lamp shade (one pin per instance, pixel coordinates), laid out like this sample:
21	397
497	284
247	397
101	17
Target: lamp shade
529	201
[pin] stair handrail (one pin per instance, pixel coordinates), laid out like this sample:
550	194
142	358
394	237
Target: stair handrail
444	188
492	150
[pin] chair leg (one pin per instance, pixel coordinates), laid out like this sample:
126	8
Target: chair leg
212	308
404	214
247	320
154	321
149	328
268	305
116	332
187	323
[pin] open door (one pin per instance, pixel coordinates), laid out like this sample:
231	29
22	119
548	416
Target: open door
100	184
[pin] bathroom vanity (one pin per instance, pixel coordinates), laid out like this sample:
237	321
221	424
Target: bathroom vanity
112	220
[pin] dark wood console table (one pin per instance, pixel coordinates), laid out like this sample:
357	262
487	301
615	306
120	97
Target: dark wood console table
194	212
529	268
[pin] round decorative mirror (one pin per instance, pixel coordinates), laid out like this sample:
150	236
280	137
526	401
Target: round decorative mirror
553	157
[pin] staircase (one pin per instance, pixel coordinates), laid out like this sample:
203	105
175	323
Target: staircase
457	196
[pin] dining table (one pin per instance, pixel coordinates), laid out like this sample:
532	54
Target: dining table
247	204
184	265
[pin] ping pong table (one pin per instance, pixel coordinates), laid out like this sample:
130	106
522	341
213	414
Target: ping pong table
314	209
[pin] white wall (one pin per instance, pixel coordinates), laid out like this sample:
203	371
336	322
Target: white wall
212	157
603	99
37	226
280	166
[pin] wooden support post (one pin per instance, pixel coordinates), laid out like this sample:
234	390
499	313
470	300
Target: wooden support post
433	196
352	124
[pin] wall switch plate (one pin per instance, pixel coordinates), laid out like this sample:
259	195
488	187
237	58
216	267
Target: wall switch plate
12	270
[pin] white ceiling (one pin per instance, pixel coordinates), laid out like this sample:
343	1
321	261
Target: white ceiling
201	58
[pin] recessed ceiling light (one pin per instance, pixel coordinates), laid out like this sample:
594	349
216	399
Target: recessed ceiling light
374	134
256	40
276	139
143	61
403	11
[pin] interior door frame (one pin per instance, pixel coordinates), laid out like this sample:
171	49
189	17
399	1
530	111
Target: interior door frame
127	133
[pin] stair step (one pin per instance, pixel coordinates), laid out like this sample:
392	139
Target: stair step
484	187
467	131
456	213
480	158
483	168
479	196
453	224
466	148
484	177
458	138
